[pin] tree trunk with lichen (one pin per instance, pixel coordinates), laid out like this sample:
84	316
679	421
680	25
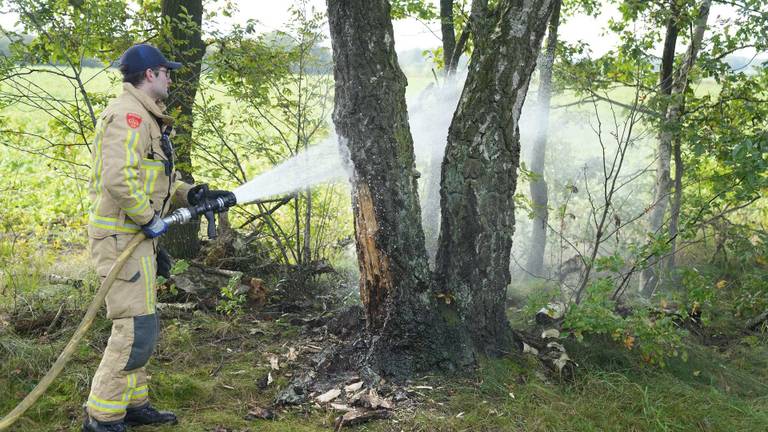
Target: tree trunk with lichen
371	118
479	174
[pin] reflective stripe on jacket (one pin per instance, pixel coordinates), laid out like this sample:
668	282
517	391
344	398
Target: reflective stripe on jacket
128	180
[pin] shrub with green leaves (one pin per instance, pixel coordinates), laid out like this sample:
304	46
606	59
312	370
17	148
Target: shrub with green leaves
656	338
231	303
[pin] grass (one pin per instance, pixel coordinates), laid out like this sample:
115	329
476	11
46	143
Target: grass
509	396
207	369
204	369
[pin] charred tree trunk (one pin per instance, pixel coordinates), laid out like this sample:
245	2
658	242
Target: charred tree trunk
668	56
184	18
650	277
539	195
372	123
479	173
297	225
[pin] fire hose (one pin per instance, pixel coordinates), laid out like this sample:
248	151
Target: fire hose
179	216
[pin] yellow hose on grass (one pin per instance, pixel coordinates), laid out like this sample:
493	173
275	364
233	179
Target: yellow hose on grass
85	324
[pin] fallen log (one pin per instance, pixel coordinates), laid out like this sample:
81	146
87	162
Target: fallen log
217	271
756	322
63	280
550	353
356	417
184	307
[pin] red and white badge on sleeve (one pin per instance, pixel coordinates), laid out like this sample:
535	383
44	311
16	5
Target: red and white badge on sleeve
134	120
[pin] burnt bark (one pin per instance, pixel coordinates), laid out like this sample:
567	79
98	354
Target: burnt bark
538	185
184	19
479	173
476	25
370	114
307	237
481	23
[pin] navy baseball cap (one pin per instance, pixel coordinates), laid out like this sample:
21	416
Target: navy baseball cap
142	57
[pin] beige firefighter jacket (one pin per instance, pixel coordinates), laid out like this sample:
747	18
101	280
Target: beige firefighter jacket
128	182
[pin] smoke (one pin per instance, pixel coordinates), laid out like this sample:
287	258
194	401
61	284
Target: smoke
430	114
574	154
582	141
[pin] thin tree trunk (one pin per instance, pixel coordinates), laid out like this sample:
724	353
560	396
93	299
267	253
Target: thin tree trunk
668	56
458	50
650	277
185	46
677	202
297	226
477	23
539	195
448	33
479	172
371	120
308	228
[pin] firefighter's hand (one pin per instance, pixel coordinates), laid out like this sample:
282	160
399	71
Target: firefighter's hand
155	228
197	194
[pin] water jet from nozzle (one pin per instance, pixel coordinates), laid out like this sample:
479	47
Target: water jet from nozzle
320	163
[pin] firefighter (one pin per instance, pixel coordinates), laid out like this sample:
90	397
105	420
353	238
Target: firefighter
133	184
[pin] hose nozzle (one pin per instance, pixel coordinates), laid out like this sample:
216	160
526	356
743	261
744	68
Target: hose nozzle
207	208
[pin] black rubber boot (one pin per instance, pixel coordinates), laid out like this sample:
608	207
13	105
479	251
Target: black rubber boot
91	425
147	415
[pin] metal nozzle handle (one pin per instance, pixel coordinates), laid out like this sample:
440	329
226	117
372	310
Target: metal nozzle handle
207	209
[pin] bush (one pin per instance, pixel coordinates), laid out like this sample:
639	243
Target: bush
657	338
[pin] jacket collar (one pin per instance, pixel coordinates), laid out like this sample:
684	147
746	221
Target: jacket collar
156	108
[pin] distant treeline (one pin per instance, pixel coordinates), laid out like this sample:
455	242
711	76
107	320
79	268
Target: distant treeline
413	57
322	55
5	50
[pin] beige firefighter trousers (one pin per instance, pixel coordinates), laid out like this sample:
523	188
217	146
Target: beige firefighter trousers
120	381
